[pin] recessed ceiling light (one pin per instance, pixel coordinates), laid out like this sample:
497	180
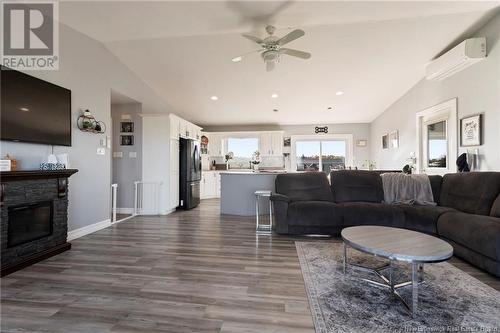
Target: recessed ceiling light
339	93
237	59
329	108
274	95
214	98
24	109
275	110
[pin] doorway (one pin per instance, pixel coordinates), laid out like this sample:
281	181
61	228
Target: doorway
437	139
126	154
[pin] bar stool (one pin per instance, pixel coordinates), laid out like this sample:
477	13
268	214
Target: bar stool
263	227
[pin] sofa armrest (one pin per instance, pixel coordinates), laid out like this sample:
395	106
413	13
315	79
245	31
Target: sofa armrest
279	197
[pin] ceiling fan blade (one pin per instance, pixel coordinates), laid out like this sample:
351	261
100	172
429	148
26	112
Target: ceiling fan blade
270	65
295	53
253	38
297	33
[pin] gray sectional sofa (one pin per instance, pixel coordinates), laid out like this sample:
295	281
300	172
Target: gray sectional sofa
467	213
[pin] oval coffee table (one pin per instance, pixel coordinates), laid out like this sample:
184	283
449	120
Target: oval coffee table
396	244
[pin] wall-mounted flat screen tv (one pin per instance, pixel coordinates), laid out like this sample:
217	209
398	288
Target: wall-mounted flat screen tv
33	110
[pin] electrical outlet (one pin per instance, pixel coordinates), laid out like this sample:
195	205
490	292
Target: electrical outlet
101	151
132	154
117	154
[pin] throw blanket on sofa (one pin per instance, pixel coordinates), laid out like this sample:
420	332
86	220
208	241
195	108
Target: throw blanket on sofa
407	189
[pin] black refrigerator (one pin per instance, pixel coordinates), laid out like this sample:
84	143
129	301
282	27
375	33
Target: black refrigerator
190	173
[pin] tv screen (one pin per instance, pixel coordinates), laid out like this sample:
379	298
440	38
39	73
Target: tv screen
33	110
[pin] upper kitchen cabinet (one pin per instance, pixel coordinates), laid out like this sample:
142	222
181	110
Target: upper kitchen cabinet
215	144
271	143
180	128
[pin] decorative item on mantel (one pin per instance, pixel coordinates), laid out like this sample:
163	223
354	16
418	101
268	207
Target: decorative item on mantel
87	123
9	163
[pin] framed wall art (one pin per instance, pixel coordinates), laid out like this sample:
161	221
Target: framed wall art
385	141
127	127
127	140
471	130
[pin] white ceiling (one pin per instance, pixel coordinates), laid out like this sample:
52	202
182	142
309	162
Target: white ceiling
374	51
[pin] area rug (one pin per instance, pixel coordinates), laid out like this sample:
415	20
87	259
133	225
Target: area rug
450	300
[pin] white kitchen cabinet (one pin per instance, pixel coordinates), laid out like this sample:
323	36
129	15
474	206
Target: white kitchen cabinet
210	185
174	174
175	126
271	143
215	147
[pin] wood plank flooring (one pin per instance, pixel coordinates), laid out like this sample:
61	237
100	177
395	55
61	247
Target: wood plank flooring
194	271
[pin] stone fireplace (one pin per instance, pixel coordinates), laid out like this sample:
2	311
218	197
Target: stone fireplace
34	216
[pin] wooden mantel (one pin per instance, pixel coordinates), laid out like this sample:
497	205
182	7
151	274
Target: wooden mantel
10	176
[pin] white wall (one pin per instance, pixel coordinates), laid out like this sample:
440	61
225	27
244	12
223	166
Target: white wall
126	169
478	91
359	132
90	71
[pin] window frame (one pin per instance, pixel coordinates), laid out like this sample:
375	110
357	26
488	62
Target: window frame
445	111
348	138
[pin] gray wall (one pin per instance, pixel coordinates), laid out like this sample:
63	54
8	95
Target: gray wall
90	71
126	169
478	91
359	132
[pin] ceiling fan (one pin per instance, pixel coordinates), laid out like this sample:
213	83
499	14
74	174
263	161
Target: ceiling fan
272	47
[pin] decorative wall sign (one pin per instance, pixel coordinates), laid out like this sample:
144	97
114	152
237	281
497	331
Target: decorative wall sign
318	129
127	127
471	131
385	141
361	143
394	139
127	140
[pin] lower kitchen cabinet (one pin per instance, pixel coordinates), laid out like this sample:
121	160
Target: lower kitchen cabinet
210	184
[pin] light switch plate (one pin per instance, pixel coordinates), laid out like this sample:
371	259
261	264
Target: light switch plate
101	151
132	154
117	154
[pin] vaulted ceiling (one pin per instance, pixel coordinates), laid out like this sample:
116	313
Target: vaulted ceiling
372	51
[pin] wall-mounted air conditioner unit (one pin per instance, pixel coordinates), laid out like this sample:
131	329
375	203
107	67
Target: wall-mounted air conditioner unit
457	59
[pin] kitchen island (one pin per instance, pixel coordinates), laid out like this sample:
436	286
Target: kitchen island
238	191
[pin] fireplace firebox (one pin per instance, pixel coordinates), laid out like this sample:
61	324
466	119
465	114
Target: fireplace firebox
29	222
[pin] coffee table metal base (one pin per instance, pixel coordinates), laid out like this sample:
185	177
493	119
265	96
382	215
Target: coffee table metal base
417	277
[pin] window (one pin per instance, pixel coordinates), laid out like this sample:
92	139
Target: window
437	145
311	154
242	149
437	139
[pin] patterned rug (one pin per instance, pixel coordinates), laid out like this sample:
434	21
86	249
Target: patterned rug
450	300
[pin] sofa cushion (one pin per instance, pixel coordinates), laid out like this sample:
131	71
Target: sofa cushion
476	232
436	182
470	192
495	209
423	218
309	186
368	213
356	186
314	213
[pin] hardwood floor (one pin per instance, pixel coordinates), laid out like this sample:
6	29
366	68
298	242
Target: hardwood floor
193	271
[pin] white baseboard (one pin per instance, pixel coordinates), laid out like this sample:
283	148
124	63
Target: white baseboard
88	229
124	210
